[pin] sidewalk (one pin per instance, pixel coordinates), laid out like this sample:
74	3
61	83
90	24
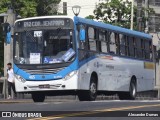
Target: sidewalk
27	99
10	101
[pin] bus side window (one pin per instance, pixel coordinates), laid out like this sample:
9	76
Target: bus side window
126	45
122	44
139	49
91	39
81	45
103	41
151	51
112	43
117	42
131	46
147	50
135	47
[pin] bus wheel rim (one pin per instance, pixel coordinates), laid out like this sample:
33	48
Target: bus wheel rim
93	88
133	90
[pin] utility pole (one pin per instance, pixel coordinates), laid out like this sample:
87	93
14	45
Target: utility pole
65	8
139	15
132	14
8	48
146	16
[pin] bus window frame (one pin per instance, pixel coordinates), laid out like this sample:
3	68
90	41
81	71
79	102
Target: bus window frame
95	38
117	44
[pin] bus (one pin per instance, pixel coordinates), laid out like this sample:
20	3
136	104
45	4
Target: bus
61	55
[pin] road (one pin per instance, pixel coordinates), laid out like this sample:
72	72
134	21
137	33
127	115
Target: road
101	110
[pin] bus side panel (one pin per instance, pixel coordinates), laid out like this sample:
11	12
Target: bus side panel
85	73
111	71
84	77
115	74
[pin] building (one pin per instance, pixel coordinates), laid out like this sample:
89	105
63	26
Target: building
87	7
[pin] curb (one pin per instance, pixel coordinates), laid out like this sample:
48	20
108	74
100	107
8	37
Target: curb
15	101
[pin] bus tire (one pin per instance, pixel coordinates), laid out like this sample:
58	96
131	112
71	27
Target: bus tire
132	90
131	95
91	94
38	97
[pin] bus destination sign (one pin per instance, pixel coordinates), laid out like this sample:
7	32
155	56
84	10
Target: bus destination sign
45	23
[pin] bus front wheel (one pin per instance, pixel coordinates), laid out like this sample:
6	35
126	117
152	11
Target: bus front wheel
38	97
91	94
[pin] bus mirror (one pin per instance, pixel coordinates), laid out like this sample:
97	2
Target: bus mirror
7	32
82	35
6	28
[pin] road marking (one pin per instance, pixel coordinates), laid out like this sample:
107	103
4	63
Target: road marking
94	112
128	101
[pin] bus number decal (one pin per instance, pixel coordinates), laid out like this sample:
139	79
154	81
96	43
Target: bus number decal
31	77
37	33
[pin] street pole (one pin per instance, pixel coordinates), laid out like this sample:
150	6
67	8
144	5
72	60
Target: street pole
132	14
139	16
8	50
146	16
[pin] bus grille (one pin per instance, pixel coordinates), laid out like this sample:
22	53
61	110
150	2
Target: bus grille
43	71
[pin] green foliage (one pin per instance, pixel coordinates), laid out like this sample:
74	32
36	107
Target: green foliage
47	7
90	17
30	8
117	12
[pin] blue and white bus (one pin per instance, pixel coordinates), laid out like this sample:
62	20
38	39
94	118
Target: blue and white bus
60	55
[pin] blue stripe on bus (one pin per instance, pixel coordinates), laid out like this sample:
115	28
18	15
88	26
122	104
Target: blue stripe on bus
59	75
112	28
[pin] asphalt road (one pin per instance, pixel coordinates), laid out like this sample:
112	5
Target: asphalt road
75	110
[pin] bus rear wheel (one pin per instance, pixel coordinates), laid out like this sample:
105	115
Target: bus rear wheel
38	97
131	95
91	94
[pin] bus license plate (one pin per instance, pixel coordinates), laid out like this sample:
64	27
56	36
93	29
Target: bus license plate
44	86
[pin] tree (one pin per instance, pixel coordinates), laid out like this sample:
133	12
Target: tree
47	7
30	8
117	12
25	8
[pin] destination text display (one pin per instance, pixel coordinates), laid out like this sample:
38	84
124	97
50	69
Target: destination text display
43	23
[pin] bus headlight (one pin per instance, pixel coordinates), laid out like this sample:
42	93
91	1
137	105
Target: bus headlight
18	77
71	74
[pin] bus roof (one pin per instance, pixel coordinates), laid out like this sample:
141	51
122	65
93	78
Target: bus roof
97	24
113	28
42	17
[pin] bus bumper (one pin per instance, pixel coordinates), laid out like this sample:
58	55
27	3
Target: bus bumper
51	85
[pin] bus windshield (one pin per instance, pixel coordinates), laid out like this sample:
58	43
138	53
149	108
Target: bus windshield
44	46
